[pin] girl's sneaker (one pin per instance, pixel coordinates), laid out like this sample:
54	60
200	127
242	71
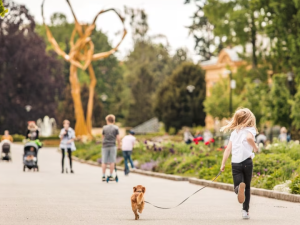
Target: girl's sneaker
241	193
245	215
103	178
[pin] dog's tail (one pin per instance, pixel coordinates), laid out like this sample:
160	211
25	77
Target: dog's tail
140	198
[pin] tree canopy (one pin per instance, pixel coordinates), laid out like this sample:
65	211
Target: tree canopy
28	75
175	105
3	10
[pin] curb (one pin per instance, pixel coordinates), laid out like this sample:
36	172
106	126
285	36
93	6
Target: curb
255	191
228	187
137	171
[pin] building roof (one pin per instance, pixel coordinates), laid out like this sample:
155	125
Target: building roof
231	52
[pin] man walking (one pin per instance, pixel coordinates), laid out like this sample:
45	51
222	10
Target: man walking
109	150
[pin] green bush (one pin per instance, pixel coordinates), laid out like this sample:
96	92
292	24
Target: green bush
276	164
18	137
295	185
54	137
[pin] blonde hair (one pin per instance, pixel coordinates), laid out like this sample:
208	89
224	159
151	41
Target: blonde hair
110	118
283	130
242	118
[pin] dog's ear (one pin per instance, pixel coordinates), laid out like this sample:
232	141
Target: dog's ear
143	190
134	189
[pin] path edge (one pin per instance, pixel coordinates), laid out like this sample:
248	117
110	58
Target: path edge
228	187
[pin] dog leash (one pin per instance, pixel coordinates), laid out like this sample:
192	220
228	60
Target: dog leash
186	198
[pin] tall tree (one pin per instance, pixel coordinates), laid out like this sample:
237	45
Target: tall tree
149	61
178	106
217	104
140	108
278	107
203	32
237	22
28	75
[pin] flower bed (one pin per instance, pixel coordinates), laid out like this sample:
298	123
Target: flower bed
276	164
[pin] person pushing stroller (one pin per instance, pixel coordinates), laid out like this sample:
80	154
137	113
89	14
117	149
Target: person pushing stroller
6	141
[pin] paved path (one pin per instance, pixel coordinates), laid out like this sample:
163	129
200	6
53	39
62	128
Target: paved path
49	197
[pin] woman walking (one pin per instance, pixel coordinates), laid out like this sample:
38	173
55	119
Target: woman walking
241	146
67	138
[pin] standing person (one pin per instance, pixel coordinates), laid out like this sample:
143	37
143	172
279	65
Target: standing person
109	150
283	134
7	136
187	136
67	138
127	146
261	138
207	135
241	146
32	131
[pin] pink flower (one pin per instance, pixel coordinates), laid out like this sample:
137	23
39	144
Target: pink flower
207	143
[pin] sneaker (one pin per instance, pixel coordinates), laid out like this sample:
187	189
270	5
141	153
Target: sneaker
72	171
241	193
245	215
103	178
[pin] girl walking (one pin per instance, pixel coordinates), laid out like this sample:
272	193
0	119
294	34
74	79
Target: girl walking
241	146
67	137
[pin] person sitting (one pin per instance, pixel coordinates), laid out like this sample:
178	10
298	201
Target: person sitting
30	156
7	136
187	136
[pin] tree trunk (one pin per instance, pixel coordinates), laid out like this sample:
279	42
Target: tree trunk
80	127
90	105
253	42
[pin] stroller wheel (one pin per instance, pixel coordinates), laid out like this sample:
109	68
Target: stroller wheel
24	168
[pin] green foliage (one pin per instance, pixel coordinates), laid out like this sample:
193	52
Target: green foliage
147	66
175	106
276	164
217	104
278	103
3	10
295	111
203	32
295	185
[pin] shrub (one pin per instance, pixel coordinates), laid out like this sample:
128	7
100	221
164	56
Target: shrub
295	185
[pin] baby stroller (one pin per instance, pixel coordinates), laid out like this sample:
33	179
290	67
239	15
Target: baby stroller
5	153
30	157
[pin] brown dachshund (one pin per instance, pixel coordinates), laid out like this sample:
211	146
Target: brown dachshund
137	200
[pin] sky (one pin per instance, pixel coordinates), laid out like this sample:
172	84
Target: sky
167	17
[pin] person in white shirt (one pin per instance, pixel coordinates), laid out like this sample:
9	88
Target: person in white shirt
127	146
261	138
241	146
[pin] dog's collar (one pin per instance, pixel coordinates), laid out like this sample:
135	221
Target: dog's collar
139	191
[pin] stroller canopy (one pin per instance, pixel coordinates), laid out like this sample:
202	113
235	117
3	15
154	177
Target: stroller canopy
29	145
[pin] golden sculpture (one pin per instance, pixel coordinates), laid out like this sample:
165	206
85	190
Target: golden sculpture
80	57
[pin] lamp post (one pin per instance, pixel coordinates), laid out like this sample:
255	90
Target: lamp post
190	89
28	109
290	78
232	85
104	97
